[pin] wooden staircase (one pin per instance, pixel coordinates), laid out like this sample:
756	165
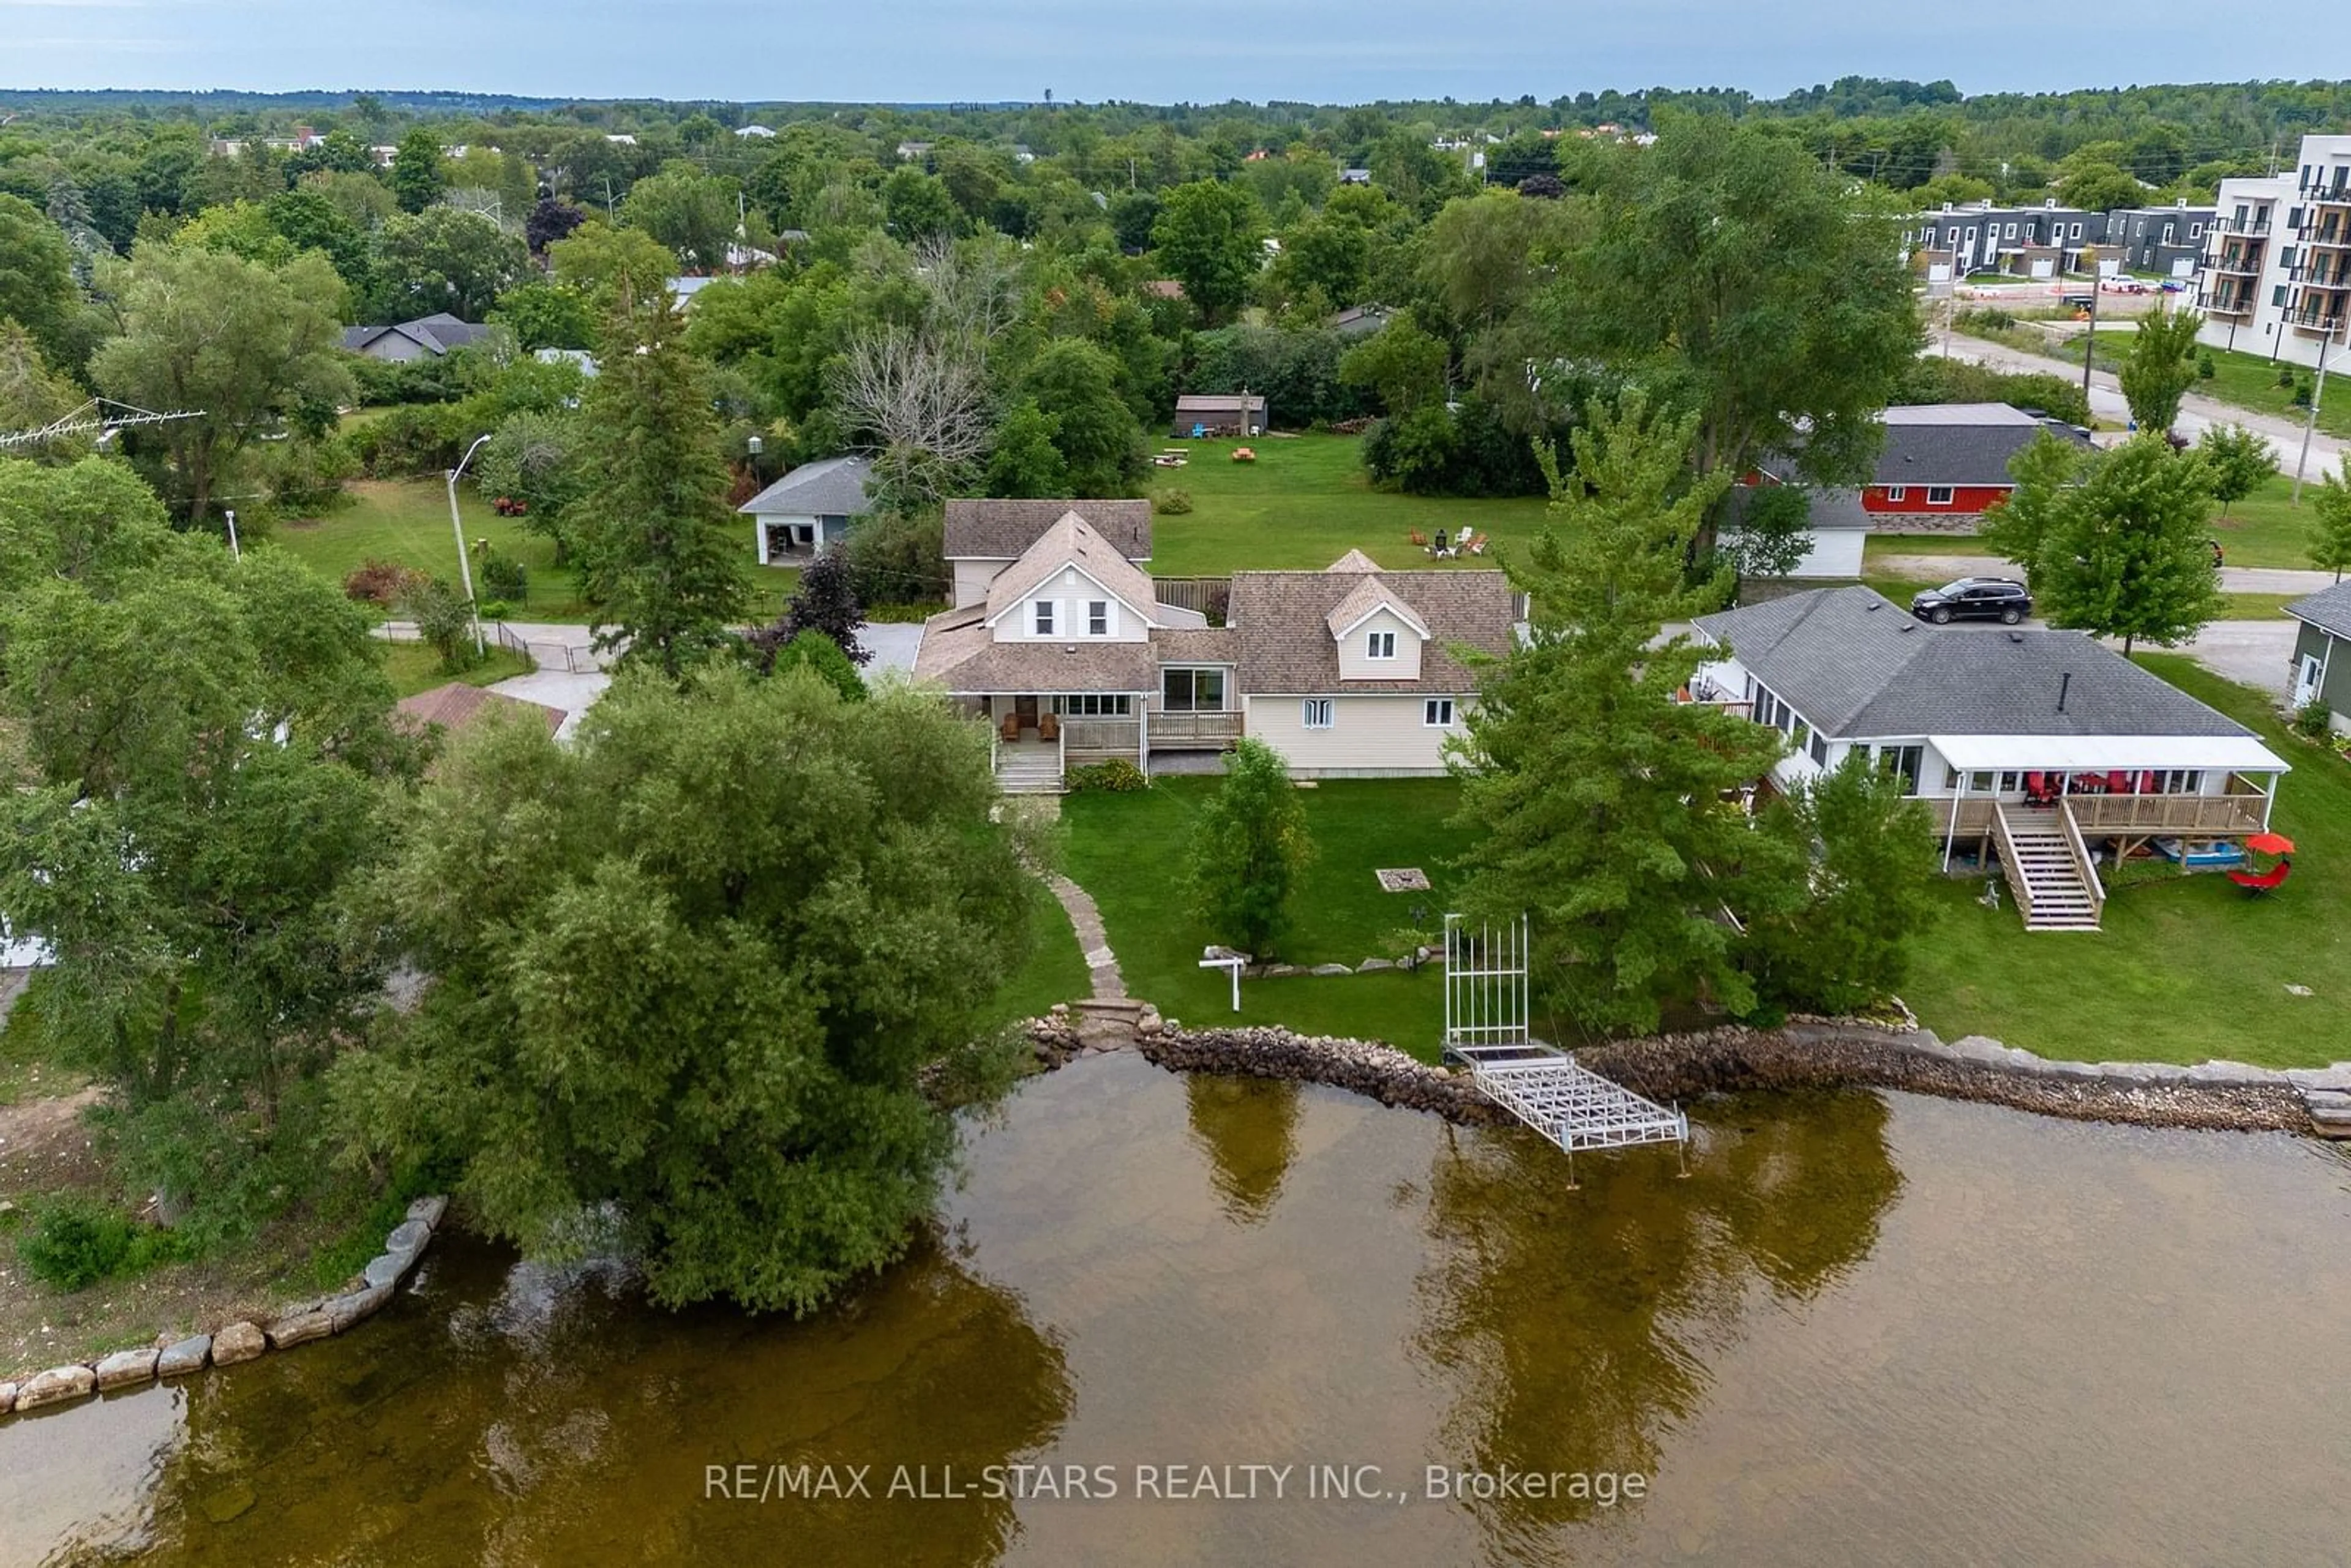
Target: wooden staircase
1029	769
2047	869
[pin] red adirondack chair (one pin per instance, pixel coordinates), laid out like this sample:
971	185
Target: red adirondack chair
2257	883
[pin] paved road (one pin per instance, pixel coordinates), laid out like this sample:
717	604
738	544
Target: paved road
893	645
2234	579
2196	413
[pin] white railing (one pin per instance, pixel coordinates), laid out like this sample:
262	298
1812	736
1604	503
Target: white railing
2084	866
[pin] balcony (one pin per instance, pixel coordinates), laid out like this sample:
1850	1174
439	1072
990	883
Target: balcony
2236	265
2225	305
1201	731
2325	326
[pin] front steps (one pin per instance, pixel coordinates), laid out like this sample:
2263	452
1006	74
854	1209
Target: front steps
2055	897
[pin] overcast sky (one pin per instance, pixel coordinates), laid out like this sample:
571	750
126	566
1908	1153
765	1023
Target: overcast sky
1320	50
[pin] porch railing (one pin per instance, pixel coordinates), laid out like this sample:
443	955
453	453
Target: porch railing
2009	857
2167	813
2085	867
1090	739
1202	729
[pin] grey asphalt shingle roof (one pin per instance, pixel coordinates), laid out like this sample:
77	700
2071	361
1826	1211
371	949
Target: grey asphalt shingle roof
1947	443
2329	610
437	333
1856	667
996	528
827	488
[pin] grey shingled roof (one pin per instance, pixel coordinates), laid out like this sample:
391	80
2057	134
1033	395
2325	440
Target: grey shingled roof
1947	443
436	334
1000	529
2329	610
960	651
827	488
1286	646
1856	667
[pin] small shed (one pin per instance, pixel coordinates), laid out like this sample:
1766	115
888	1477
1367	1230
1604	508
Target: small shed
1218	414
808	508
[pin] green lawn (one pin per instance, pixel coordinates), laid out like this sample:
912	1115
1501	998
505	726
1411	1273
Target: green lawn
1127	852
1056	970
1303	504
413	668
2248	380
407	520
2186	968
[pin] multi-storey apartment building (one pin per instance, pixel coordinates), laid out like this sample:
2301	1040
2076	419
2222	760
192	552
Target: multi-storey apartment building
2276	277
2047	241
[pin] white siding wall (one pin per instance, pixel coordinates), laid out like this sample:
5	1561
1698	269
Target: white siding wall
1356	665
1368	736
972	578
1070	593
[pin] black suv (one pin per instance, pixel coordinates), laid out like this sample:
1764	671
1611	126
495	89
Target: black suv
1974	599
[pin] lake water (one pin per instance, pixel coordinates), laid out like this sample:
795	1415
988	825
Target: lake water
1865	1329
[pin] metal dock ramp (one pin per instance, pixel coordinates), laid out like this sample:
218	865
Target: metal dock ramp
1486	1010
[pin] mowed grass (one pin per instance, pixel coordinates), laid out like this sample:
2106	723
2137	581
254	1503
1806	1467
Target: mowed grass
1056	971
2187	968
407	521
1129	852
414	668
1304	503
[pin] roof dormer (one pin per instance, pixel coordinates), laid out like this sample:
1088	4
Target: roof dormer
1379	636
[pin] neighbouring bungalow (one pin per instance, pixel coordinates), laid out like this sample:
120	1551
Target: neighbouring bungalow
2323	642
1071	658
808	508
426	338
2041	747
1218	414
1941	467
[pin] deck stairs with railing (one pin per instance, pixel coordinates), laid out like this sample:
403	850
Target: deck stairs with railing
2047	870
1028	768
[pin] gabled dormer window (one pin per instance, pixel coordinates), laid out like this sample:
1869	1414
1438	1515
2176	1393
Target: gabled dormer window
1044	617
1380	645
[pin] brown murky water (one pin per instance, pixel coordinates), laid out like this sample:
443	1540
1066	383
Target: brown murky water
1866	1330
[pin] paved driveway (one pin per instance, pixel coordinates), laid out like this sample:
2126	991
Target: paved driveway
2234	579
893	645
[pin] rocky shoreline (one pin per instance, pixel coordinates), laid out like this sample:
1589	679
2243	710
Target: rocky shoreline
2212	1096
299	1322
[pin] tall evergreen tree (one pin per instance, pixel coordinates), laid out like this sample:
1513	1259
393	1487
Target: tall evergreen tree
416	174
2114	543
659	556
1601	798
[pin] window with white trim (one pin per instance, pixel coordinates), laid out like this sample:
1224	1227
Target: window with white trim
1380	645
1820	748
1098	617
1095	705
1044	619
1939	494
1314	713
1185	689
1897	492
1437	713
1904	762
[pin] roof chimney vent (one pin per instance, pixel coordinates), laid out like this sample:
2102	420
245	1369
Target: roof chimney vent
2064	684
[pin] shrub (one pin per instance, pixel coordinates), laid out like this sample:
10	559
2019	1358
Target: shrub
410	440
376	581
2302	394
2205	368
2313	718
2286	375
1115	776
75	1243
1172	503
501	576
443	619
897	559
496	610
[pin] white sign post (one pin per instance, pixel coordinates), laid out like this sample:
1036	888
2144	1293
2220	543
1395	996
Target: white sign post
1232	963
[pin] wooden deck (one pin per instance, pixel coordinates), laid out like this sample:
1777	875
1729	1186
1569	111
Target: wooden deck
2122	816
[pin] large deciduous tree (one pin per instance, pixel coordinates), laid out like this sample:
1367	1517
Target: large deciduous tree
1601	798
1099	438
1207	237
2160	367
658	553
200	748
235	343
444	259
753	915
692	212
1752	284
37	280
417	177
2236	462
2112	542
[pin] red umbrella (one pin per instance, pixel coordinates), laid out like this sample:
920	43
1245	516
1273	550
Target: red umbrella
2269	844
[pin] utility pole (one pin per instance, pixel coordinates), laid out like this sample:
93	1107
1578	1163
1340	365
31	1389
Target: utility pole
2090	338
2317	394
464	557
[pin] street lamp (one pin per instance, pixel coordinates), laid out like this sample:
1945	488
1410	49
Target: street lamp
457	526
236	554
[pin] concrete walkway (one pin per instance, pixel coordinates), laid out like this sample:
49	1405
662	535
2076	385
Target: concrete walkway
2197	413
2233	579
